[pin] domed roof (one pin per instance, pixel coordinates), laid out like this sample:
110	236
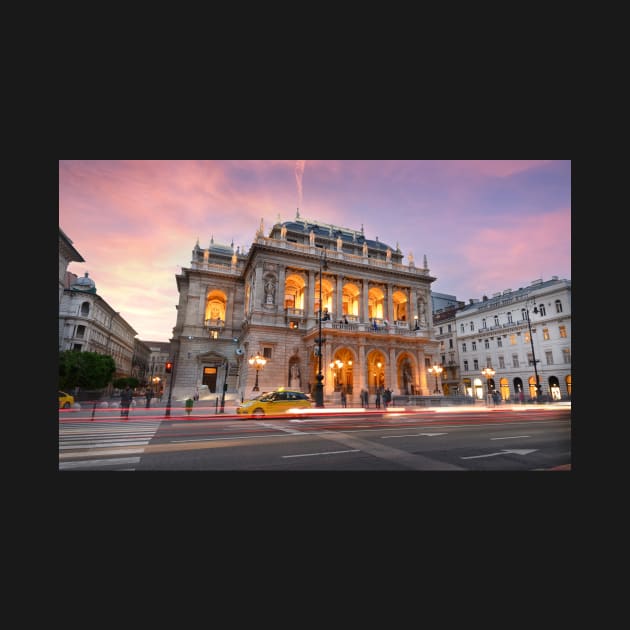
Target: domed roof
84	284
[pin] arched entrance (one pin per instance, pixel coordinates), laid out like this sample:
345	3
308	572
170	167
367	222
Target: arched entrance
405	373
342	370
375	377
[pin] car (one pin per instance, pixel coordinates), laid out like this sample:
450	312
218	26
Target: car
277	401
65	400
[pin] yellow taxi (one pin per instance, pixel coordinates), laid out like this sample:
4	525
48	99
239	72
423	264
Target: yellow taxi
275	402
65	400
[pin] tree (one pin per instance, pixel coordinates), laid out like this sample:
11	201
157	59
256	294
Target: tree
88	370
121	383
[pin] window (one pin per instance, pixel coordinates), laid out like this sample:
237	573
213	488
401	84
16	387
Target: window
499	342
549	357
566	355
472	325
486	344
509	317
483	323
496	320
512	339
541	309
546	336
474	345
267	353
515	360
80	331
450	344
214	334
530	359
462	327
440	330
466	365
558	306
524	314
463	347
501	362
85	309
475	364
563	332
449	328
526	338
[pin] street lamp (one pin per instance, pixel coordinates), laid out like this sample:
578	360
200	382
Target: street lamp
437	370
319	387
531	340
488	372
258	362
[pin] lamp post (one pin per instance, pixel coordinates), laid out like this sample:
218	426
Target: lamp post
488	372
531	340
319	387
437	370
258	361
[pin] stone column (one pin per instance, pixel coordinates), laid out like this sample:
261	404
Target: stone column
364	302
282	271
259	293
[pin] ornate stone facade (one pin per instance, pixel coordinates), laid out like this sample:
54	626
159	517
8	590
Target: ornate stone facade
233	305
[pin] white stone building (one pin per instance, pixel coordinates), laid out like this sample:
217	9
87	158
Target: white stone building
233	305
495	332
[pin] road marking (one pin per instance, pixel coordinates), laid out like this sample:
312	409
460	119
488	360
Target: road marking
91	463
505	451
387	437
354	450
511	437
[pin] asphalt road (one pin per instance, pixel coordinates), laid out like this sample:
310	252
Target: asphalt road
519	438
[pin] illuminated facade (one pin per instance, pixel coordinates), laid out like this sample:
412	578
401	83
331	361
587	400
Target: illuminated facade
494	332
377	328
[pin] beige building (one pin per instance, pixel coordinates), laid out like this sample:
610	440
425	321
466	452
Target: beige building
377	328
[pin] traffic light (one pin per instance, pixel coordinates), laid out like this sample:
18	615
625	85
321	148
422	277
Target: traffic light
169	367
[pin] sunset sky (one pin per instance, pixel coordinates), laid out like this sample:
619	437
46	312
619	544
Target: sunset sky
484	225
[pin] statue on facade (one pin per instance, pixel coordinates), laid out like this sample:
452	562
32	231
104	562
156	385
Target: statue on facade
270	291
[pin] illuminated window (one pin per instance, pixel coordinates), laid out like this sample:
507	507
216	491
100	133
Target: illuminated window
546	336
563	332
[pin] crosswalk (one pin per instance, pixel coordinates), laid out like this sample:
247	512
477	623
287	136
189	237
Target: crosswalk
103	445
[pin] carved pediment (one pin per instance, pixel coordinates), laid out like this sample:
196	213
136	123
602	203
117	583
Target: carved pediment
211	357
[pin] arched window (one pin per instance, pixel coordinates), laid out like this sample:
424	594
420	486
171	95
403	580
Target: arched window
558	306
85	309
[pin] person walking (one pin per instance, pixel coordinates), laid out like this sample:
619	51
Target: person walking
189	405
344	400
125	400
377	401
149	394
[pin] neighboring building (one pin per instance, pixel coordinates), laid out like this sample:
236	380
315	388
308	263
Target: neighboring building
442	301
87	323
160	353
234	305
67	254
495	332
141	361
445	330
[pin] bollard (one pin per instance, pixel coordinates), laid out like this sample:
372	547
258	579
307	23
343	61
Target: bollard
216	406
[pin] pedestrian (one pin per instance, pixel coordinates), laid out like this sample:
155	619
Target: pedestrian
521	397
189	405
149	394
496	397
377	401
344	400
345	319
125	400
374	324
386	397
